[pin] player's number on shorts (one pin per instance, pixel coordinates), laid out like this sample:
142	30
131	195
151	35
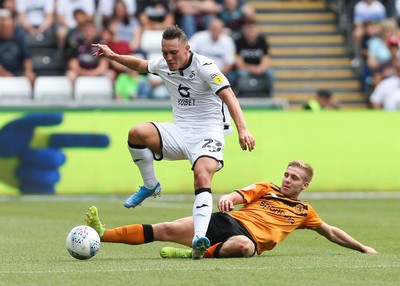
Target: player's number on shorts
212	145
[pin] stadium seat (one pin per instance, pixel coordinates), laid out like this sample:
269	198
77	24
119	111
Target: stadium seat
253	86
47	62
151	41
93	88
15	89
41	40
52	89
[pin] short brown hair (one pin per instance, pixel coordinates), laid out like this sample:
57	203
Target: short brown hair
304	166
174	32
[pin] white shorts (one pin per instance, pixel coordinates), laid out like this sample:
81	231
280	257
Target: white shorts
179	143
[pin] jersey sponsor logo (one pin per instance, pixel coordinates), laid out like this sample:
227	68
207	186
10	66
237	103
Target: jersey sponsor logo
207	64
278	211
183	91
170	73
217	78
186	102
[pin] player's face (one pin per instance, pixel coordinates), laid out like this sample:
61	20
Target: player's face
293	182
175	53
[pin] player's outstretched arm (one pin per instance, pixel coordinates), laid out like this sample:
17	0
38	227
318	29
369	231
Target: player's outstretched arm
226	203
340	237
129	61
246	139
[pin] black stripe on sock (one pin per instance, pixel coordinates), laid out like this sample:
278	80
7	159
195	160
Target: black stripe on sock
202	190
148	233
217	250
136	146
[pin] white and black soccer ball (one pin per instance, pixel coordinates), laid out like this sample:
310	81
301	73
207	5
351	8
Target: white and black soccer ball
83	242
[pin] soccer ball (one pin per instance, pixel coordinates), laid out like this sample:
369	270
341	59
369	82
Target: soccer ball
83	242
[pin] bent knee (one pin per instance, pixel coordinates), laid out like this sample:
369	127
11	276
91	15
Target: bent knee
245	248
238	246
134	133
140	133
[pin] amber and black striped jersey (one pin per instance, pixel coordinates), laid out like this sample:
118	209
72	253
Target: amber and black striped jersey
270	217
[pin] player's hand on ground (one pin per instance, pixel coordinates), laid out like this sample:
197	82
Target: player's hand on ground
247	141
33	169
370	250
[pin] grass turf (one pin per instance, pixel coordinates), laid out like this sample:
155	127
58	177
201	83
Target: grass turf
33	232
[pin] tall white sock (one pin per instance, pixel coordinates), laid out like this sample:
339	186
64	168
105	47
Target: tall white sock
143	158
202	209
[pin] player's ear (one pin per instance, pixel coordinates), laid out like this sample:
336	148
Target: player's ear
187	48
305	185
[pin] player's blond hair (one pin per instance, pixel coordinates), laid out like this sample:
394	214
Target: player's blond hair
304	166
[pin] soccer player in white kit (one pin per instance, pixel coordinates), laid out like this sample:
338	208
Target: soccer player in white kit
198	93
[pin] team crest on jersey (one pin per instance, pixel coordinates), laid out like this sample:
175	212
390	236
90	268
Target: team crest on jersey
192	75
217	78
300	208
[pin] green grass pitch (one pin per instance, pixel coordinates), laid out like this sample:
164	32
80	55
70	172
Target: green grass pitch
33	231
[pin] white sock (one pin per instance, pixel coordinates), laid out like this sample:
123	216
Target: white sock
202	209
143	158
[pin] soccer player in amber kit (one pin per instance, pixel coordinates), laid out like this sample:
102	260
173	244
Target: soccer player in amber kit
268	215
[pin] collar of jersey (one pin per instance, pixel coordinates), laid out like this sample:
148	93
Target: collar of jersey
189	63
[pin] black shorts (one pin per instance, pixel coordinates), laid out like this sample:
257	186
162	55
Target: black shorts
222	226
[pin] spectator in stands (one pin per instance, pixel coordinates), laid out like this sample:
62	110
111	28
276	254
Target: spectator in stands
322	101
82	62
75	34
65	16
396	9
387	68
128	83
386	94
154	14
371	30
127	27
10	6
378	50
234	13
195	16
14	54
106	8
252	55
119	45
364	10
36	17
215	44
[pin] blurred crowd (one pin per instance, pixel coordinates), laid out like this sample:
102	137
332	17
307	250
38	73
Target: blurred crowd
376	39
54	37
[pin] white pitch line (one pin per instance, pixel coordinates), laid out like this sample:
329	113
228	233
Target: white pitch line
195	268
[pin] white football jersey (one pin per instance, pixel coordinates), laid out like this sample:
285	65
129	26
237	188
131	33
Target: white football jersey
387	93
193	91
